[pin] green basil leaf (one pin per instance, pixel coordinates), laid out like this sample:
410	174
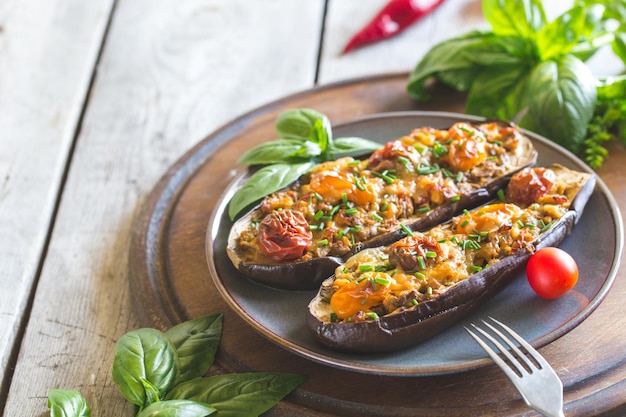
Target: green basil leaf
273	152
196	342
145	366
619	46
612	88
515	17
322	134
238	395
561	99
177	408
458	61
498	92
561	35
263	182
306	151
353	146
297	123
67	403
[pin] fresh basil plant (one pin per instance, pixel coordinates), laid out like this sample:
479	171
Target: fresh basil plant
305	139
529	69
163	375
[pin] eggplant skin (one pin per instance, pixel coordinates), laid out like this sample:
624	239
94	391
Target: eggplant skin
399	330
308	274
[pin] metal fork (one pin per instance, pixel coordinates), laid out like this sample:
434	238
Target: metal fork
531	374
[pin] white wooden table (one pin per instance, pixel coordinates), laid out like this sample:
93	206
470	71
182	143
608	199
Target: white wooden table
97	99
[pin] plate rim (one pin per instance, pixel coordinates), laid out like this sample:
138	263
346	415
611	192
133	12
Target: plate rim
432	370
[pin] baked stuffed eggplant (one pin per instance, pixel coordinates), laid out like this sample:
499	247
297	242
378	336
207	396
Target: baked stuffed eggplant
296	237
387	298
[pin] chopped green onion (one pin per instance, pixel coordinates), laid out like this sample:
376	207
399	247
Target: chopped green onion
381	281
318	196
475	268
464	223
456	198
372	315
323	242
431	254
501	195
546	227
318	215
366	268
377	217
406	230
439	150
420	275
423	210
421	262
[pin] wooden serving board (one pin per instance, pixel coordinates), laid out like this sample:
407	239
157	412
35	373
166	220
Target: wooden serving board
170	279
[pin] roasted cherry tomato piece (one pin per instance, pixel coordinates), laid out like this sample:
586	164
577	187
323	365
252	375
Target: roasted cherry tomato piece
551	272
529	185
360	295
468	147
284	235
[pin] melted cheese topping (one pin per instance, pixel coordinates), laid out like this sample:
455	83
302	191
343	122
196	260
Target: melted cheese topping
349	201
381	281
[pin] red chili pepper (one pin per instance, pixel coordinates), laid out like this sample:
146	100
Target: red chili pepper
396	16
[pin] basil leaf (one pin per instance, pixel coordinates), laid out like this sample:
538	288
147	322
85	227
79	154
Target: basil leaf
322	134
67	403
272	152
561	98
145	366
238	395
196	342
307	151
515	17
619	46
458	61
612	88
265	181
353	146
297	123
177	408
561	35
498	92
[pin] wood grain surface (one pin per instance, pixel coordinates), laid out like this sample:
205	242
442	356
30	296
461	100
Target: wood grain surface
169	278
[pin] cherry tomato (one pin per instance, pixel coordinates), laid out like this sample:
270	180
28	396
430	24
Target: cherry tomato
284	235
468	147
551	272
529	185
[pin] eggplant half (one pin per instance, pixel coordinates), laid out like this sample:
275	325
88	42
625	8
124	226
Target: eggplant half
296	237
388	298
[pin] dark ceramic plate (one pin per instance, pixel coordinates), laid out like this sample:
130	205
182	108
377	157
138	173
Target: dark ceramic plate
280	315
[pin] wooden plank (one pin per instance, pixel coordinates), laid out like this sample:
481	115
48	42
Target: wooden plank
49	49
171	73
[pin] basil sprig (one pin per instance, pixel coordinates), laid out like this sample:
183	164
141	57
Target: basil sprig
305	138
162	375
66	402
528	67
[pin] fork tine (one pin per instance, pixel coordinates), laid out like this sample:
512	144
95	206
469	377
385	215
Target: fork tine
521	355
535	355
513	362
497	359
